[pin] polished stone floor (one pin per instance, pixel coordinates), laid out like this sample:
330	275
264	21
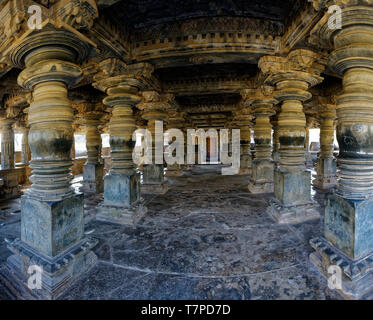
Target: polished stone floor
206	238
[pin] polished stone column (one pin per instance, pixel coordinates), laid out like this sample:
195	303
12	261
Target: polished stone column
93	169
52	225
348	238
263	165
292	76
7	144
326	164
154	108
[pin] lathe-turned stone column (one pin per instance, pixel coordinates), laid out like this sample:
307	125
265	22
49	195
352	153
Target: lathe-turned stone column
154	109
25	150
25	153
326	164
122	199
7	143
292	76
52	225
93	169
243	119
263	165
310	123
275	141
175	121
348	236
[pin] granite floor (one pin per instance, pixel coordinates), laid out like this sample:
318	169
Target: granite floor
206	238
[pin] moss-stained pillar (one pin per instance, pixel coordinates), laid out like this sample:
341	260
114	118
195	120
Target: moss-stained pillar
7	143
292	76
348	237
52	225
122	199
154	108
263	165
93	168
326	163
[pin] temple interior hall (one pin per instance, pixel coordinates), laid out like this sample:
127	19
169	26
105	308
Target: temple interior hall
186	150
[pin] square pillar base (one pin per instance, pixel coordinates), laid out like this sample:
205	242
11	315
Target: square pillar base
293	214
292	202
10	188
357	275
245	171
262	177
348	225
122	201
154	188
326	174
57	273
120	214
93	178
52	238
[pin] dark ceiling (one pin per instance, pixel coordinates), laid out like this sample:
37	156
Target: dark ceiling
207	71
140	13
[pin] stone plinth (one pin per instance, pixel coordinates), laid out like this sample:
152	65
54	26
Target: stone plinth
9	187
122	201
293	203
262	176
93	177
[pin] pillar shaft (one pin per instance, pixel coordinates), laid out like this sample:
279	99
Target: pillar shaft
7	144
326	163
262	177
93	168
154	107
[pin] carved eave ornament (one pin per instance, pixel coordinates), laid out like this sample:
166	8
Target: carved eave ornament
62	24
114	72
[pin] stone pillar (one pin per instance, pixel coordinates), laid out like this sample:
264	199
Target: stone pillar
326	164
348	236
244	120
122	199
176	121
154	107
7	144
93	169
25	153
263	165
52	225
292	76
310	122
276	141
